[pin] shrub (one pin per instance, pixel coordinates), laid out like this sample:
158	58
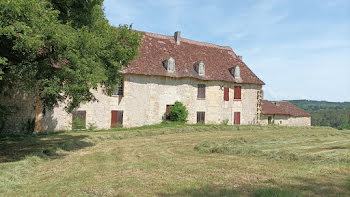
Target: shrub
178	112
92	126
224	122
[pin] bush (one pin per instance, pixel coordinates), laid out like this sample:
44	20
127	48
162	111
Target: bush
178	112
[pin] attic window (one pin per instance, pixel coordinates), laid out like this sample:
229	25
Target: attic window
169	64
236	72
200	68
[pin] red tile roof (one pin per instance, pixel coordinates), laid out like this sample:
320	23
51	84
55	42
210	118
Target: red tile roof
282	108
292	109
218	60
269	108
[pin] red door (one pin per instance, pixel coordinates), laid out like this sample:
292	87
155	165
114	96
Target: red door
237	118
116	119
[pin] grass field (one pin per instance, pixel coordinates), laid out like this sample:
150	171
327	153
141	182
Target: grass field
178	160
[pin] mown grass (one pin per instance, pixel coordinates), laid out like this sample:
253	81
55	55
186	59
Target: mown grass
160	160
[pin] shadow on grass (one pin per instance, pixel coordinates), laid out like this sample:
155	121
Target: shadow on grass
322	188
211	191
15	148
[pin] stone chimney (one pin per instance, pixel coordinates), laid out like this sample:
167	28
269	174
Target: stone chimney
240	57
177	37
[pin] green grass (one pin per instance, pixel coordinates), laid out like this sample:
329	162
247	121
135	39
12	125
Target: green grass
178	160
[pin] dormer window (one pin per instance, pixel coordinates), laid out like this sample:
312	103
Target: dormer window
169	64
236	72
200	68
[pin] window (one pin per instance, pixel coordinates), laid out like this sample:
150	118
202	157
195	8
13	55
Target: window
237	93
119	88
237	118
116	119
167	112
226	94
201	117
79	120
201	91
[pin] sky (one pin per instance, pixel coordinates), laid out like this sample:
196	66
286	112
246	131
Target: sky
299	48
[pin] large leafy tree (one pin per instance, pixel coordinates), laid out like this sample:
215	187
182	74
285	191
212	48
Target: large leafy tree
61	49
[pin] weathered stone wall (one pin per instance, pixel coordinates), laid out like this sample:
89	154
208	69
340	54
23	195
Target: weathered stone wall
145	99
22	107
286	120
144	103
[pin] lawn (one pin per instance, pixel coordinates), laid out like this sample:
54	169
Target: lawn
178	160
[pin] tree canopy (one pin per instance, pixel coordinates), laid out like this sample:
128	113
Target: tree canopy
62	49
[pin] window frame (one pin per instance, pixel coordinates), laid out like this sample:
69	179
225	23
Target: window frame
119	91
201	89
200	115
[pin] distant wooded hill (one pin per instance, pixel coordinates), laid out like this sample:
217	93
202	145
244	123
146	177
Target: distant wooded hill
324	113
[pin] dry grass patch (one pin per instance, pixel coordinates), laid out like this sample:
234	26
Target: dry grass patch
162	161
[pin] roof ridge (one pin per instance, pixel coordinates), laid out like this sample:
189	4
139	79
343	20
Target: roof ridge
189	41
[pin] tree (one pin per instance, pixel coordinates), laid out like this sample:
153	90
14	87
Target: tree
61	49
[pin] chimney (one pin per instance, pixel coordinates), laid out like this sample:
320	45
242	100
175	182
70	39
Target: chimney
240	57
177	37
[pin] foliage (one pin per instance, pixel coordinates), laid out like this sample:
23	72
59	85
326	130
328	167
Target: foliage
224	122
91	126
323	113
309	105
28	127
66	47
178	112
336	118
78	123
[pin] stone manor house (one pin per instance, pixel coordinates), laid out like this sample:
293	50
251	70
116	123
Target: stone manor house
210	80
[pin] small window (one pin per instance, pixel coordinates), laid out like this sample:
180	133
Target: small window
201	117
237	93
79	120
116	119
167	112
119	88
201	91
226	94
237	118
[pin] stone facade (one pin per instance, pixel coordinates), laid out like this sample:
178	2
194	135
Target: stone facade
146	97
286	120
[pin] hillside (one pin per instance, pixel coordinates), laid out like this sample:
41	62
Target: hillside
324	113
310	105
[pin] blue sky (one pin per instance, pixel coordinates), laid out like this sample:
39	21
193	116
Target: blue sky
299	48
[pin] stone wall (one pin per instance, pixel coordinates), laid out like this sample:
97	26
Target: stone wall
145	99
23	110
286	120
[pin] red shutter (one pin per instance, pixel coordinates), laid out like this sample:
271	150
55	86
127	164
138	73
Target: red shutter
167	112
237	93
237	118
114	119
226	94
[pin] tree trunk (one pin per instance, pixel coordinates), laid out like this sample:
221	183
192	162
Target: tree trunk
38	111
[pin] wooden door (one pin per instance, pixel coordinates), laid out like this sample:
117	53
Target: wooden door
116	119
201	117
237	118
